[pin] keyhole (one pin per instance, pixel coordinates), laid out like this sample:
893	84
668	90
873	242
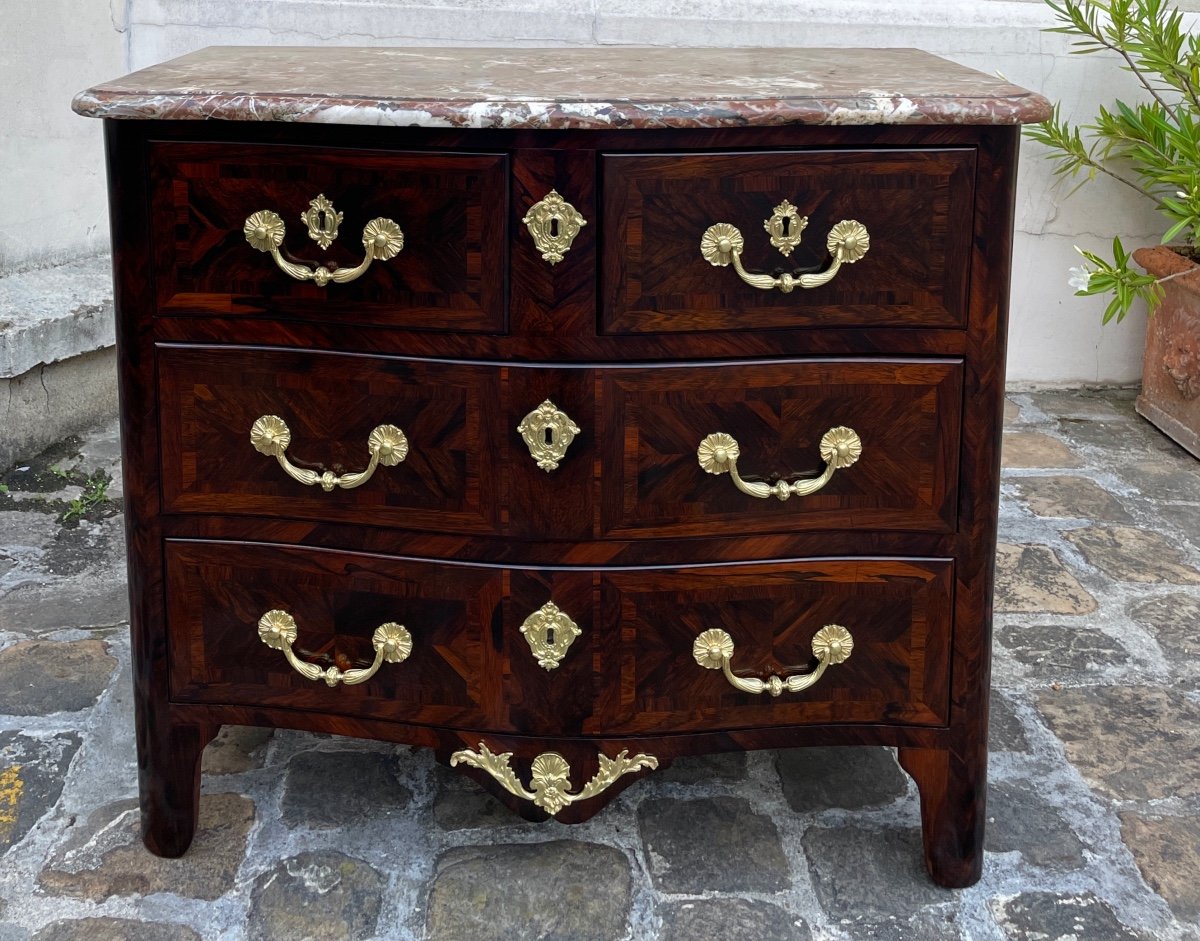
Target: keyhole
548	431
554	227
550	636
784	225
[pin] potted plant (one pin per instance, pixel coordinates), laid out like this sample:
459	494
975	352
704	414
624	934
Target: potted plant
1152	145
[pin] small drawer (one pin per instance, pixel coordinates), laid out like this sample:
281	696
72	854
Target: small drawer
371	440
481	647
675	634
663	274
711	450
317	207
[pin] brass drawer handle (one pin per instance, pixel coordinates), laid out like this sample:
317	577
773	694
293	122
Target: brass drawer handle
550	775
381	238
847	242
270	435
713	650
840	447
392	642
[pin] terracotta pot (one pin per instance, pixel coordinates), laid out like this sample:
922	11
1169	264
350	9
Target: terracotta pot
1171	369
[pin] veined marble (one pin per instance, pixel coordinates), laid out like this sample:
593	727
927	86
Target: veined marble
594	87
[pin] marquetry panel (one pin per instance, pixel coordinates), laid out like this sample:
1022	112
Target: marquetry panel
898	613
216	593
905	413
211	396
537	700
450	206
916	205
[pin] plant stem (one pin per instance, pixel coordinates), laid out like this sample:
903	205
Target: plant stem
1120	179
1140	77
1103	40
1172	277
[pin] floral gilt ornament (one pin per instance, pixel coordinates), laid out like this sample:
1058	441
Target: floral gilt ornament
550	775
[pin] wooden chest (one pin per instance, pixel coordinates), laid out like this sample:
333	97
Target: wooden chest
564	421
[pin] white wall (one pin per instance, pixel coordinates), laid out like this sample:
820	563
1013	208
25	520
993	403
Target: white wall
1055	337
52	182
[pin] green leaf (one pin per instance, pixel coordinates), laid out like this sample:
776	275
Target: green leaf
1176	229
1148	140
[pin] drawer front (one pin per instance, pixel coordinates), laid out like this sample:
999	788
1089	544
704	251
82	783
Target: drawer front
915	205
217	593
897	613
556	652
469	665
450	209
656	481
212	400
289	433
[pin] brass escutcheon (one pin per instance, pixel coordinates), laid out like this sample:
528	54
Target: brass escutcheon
549	631
548	432
785	227
553	222
322	221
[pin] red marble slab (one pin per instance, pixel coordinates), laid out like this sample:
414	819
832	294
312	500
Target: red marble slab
594	87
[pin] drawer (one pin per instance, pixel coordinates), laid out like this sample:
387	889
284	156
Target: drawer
916	207
290	433
771	620
664	428
319	414
449	207
469	665
556	651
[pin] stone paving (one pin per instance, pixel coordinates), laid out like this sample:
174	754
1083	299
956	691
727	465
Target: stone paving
1094	807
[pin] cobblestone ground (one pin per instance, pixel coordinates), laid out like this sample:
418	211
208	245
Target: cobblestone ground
1094	807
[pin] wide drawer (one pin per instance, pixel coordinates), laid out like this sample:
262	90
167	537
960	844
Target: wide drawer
557	651
664	450
231	416
916	207
448	272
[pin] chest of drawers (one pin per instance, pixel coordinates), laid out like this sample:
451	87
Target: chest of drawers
564	415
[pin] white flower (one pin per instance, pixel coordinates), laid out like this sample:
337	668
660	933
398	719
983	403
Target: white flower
1080	278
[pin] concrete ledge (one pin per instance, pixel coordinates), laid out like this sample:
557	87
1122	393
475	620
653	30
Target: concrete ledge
49	402
54	314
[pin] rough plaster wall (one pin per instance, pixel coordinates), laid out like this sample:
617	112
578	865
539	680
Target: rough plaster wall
52	184
1055	337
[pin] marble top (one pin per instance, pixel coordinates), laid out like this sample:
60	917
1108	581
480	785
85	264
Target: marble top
593	87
